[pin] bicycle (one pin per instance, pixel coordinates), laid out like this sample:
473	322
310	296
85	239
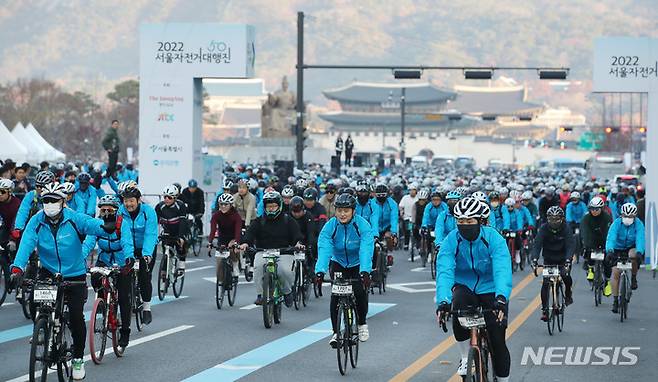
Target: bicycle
169	273
4	274
195	234
52	344
511	244
300	287
525	248
272	295
24	290
479	366
346	322
226	282
412	240
380	271
556	304
624	266
424	248
104	315
136	303
433	251
598	283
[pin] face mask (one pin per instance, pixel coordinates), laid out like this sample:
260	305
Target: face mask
554	225
52	209
469	232
381	200
627	221
494	204
362	198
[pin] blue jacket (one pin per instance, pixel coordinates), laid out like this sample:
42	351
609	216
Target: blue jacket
389	216
144	228
624	237
519	219
483	266
501	217
112	249
85	201
31	199
370	212
431	213
445	223
575	212
348	244
62	255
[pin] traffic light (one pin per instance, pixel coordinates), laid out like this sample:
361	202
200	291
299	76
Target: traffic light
643	130
610	130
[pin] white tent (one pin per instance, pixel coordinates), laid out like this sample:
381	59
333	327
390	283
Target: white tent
35	151
10	147
52	153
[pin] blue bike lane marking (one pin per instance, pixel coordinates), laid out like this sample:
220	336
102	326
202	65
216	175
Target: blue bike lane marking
271	352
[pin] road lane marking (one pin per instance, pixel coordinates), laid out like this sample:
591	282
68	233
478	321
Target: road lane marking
271	352
26	330
134	342
199	268
249	307
214	280
404	287
441	348
420	269
518	321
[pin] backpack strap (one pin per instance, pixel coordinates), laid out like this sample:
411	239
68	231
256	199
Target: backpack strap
81	236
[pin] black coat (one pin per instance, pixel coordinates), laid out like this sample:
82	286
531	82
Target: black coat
555	247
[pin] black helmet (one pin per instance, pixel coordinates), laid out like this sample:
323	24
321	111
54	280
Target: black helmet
296	204
44	177
84	177
555	211
272	197
346	190
345	200
330	187
131	192
310	194
381	189
494	195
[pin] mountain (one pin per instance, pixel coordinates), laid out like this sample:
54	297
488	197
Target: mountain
91	45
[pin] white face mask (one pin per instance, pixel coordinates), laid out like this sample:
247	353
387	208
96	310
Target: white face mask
52	209
627	221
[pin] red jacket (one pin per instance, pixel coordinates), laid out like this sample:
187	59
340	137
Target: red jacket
564	199
226	226
8	212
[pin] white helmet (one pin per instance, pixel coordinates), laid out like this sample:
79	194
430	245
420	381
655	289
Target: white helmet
69	188
225	198
170	191
509	202
527	195
423	193
468	208
6	184
596	202
479	195
629	209
55	191
574	195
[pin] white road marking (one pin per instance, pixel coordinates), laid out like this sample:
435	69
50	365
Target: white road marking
214	280
134	342
420	269
249	307
199	269
404	287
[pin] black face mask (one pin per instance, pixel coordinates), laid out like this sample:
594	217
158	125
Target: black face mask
381	200
554	226
469	232
362	198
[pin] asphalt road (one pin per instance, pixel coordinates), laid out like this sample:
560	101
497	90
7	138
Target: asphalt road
189	339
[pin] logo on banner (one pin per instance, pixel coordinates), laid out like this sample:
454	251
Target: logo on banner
165	163
165	117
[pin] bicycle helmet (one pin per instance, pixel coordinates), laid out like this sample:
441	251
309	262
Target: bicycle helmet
479	195
436	194
44	177
596	202
296	204
509	202
53	191
423	194
504	191
170	191
131	191
310	194
6	184
301	184
225	198
494	195
69	188
227	184
527	195
345	200
125	185
330	188
555	211
269	198
514	194
468	208
192	183
486	210
574	195
629	209
454	194
178	187
347	190
108	200
288	192
253	184
381	190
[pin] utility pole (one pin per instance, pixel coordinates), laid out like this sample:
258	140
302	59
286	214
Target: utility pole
299	131
402	105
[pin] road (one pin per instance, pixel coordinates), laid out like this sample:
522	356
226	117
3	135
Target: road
190	339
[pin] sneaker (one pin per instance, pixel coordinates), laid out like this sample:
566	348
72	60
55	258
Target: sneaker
590	274
568	300
78	367
333	342
607	290
259	300
517	258
615	305
463	365
288	300
544	316
634	283
363	333
124	338
409	259
146	317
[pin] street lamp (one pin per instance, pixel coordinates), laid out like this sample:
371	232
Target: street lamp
390	104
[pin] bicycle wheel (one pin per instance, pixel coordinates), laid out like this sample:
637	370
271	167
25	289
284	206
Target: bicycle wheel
473	366
65	352
219	293
551	310
233	291
354	337
163	278
433	265
25	297
561	308
381	269
268	300
98	331
278	310
39	357
113	325
136	303
4	282
297	288
622	297
343	341
305	289
179	280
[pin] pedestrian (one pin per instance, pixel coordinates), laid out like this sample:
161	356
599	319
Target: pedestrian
349	146
339	147
111	145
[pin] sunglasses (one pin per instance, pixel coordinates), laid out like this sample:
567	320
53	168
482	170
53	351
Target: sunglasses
49	200
107	210
224	205
2	192
595	209
169	197
331	192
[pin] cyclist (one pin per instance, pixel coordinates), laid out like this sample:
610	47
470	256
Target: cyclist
556	244
85	196
388	213
305	221
226	225
56	232
500	214
365	207
431	211
547	201
227	186
625	234
31	203
528	202
8	209
418	214
286	194
172	216
446	222
406	206
195	200
576	209
472	269
327	200
316	210
346	245
69	190
143	223
245	203
593	232
114	248
273	230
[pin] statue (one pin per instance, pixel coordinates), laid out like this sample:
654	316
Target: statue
278	113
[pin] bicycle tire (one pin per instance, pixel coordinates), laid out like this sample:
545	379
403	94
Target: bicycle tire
136	303
233	292
561	308
4	285
40	339
551	311
433	266
268	300
342	349
97	331
64	369
25	301
219	294
622	298
472	366
163	278
113	325
354	338
179	280
296	289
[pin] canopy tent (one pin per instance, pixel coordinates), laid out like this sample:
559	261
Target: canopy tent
53	153
11	148
35	151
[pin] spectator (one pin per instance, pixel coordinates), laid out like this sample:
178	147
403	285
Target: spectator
21	184
640	205
193	196
349	146
339	147
111	145
44	166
